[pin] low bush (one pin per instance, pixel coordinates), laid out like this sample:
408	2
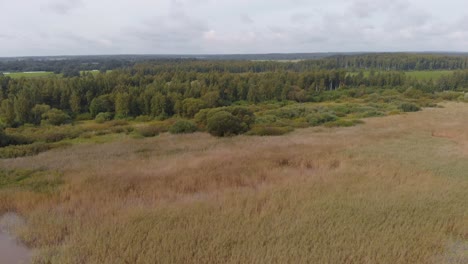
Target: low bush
54	137
55	117
266	119
245	116
83	117
148	131
183	127
13	139
103	117
143	118
122	129
449	95
320	118
341	110
409	107
27	150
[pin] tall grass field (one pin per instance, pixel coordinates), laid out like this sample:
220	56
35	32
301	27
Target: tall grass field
392	190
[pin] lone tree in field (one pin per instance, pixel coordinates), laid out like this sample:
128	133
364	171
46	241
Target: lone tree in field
223	124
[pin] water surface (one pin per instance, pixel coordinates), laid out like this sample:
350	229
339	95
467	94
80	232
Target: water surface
11	251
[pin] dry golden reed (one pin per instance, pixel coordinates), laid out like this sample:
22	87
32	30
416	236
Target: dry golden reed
393	190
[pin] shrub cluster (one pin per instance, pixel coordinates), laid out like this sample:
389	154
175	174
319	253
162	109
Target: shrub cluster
183	127
103	117
148	131
409	107
320	118
226	121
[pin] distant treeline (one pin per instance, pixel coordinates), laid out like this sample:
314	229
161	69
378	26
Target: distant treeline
162	90
72	65
67	66
392	61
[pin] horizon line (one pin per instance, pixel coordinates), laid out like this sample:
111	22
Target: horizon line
232	54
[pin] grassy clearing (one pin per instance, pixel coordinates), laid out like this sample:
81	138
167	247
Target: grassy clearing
18	75
418	75
392	190
428	75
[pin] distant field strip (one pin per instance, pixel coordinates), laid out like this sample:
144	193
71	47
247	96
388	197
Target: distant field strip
419	75
29	74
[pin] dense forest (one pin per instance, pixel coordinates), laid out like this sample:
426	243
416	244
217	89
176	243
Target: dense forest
165	90
301	62
191	89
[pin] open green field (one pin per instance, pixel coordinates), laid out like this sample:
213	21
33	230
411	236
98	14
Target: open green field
419	75
427	75
29	74
18	75
392	190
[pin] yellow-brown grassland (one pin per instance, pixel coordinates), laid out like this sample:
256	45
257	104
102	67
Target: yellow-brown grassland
391	190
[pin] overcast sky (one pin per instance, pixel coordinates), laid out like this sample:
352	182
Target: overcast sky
78	27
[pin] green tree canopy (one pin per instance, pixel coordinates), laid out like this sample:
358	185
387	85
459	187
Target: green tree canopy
223	124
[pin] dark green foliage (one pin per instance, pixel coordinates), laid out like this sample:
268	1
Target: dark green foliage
302	94
143	118
38	111
164	89
122	105
8	139
265	119
71	72
84	116
183	127
320	118
101	104
103	117
409	107
55	117
223	124
7	111
148	131
4	140
243	114
341	110
289	112
191	106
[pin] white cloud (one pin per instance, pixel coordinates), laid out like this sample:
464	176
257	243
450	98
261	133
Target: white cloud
52	27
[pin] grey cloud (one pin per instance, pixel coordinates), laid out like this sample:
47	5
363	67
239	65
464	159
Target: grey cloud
63	7
175	30
300	18
246	19
6	36
226	26
369	8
